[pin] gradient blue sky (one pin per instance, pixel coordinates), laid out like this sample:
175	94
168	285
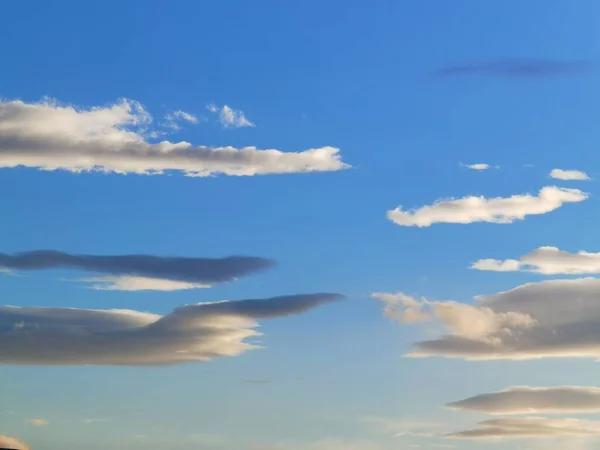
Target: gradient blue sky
354	75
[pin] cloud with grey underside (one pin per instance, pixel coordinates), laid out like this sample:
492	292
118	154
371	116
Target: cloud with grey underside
517	68
141	272
192	333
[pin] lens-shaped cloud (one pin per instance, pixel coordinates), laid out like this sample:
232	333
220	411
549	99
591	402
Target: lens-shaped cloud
141	272
193	333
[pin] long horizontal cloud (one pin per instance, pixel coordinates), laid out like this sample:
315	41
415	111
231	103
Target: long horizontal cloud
530	427
10	443
553	318
480	209
193	333
50	136
546	261
538	400
141	272
517	68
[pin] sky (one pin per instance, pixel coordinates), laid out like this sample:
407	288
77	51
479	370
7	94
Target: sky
299	225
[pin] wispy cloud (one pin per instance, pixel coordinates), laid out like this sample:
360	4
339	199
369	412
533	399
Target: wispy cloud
480	209
229	117
141	272
569	175
517	68
193	333
173	119
546	261
38	422
50	136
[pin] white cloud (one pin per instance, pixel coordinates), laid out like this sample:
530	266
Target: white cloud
553	318
38	422
546	261
569	175
129	283
12	443
172	119
530	427
50	136
534	400
401	427
493	210
193	333
229	117
479	166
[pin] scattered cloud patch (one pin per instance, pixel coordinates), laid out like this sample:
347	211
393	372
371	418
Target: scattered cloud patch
569	175
174	119
50	136
478	166
517	68
534	400
11	443
192	333
493	210
229	117
549	319
545	261
38	422
530	427
402	427
141	272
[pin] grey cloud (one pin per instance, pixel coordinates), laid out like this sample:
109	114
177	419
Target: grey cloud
530	427
517	68
527	400
148	270
193	333
553	318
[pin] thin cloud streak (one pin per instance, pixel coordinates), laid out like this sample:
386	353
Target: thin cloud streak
517	68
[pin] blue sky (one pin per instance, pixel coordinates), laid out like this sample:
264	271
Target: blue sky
362	78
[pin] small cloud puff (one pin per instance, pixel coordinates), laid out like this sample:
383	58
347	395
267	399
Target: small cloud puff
569	175
229	117
38	422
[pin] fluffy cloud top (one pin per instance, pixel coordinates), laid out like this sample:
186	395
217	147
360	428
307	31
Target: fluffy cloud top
553	318
50	136
530	427
538	400
547	261
480	209
193	333
10	443
567	175
229	117
141	272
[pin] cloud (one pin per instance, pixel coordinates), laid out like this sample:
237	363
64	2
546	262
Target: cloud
478	166
546	261
50	136
550	319
567	175
229	117
534	400
517	68
141	272
493	210
173	119
530	427
401	427
7	442
193	333
38	422
331	443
